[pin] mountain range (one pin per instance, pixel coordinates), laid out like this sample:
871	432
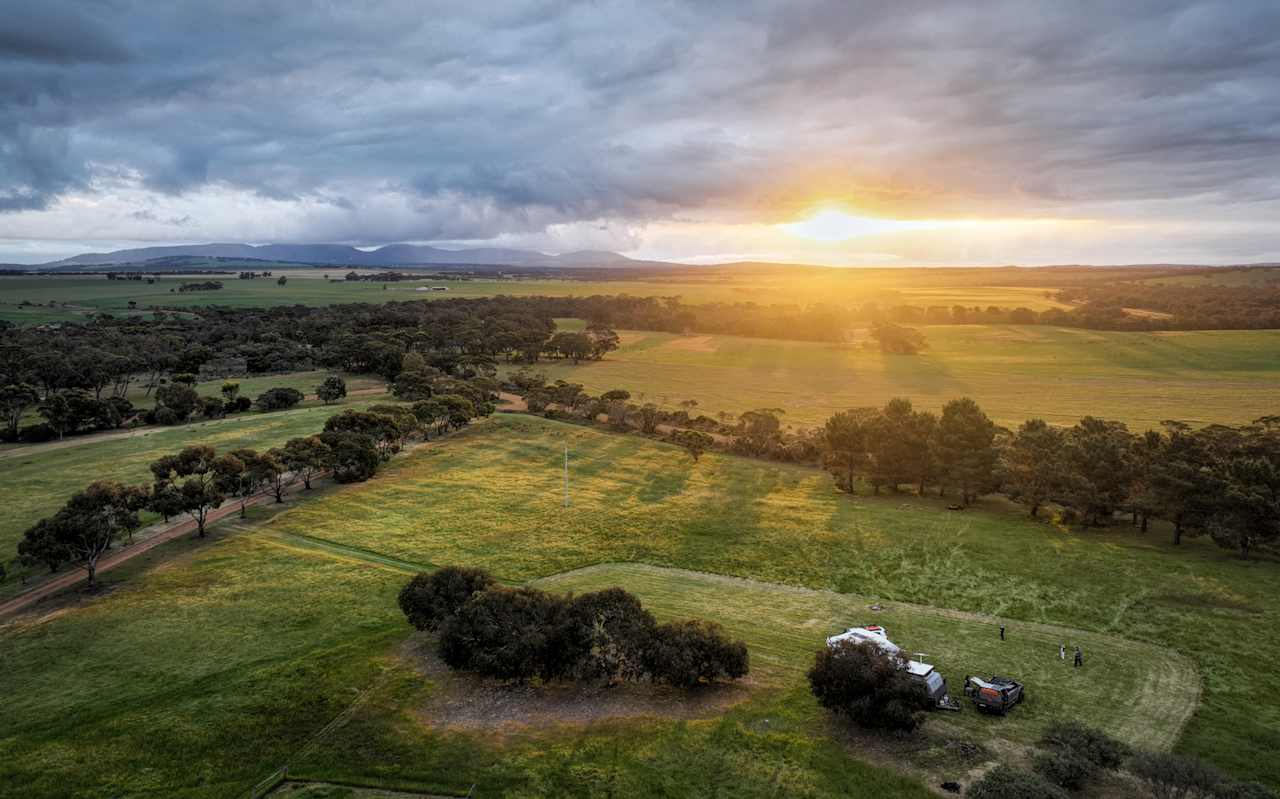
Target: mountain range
341	255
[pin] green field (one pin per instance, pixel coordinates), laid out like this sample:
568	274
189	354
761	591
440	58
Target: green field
251	387
1014	372
74	297
220	667
199	679
492	498
39	479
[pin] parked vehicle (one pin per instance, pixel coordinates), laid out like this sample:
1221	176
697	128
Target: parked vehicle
998	695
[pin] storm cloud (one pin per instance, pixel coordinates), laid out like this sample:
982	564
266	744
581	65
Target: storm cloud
374	122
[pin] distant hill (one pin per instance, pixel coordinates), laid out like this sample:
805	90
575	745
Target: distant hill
340	255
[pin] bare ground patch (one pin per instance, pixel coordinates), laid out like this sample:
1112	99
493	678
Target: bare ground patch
469	702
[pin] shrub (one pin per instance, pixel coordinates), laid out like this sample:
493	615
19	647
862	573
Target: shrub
1093	745
603	635
277	399
354	456
123	408
332	389
869	686
180	399
1170	776
431	599
37	433
689	652
1003	782
237	405
1067	768
502	632
211	407
1243	790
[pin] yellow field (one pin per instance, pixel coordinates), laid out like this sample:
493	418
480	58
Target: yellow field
1014	372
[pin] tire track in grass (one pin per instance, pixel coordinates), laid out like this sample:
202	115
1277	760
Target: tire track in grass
1159	710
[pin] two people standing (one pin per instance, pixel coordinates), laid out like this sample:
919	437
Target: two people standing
1062	655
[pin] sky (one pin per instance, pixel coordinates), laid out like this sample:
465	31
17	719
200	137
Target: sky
843	133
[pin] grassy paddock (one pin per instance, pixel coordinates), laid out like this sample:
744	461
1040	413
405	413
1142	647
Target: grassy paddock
1014	372
36	484
198	679
194	680
251	387
237	653
783	626
491	497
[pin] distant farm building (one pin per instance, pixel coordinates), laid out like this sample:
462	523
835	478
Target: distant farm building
432	288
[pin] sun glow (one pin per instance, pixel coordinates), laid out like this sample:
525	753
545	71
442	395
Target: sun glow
835	225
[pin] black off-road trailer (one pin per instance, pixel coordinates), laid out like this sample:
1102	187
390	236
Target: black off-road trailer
998	695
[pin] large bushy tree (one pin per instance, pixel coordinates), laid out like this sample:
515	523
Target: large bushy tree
189	482
1033	466
846	439
867	685
432	598
965	447
86	527
306	457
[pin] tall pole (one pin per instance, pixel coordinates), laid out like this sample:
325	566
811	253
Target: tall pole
566	474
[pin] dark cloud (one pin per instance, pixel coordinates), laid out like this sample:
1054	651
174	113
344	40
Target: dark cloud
505	118
44	32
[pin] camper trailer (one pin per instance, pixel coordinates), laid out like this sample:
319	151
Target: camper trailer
933	683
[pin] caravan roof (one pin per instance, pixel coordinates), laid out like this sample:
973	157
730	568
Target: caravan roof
872	633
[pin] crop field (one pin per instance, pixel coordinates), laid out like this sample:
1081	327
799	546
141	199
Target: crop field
74	297
1014	372
39	479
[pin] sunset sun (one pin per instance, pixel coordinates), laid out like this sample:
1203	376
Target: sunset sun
835	225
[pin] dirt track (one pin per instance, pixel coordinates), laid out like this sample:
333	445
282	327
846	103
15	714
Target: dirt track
164	534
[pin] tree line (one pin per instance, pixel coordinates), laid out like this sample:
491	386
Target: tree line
1218	481
84	373
77	411
1176	307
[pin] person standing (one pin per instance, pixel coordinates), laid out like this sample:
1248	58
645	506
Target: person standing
1001	632
1062	651
1079	658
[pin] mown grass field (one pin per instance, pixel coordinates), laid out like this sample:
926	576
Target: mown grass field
76	296
783	626
492	498
1014	372
39	479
